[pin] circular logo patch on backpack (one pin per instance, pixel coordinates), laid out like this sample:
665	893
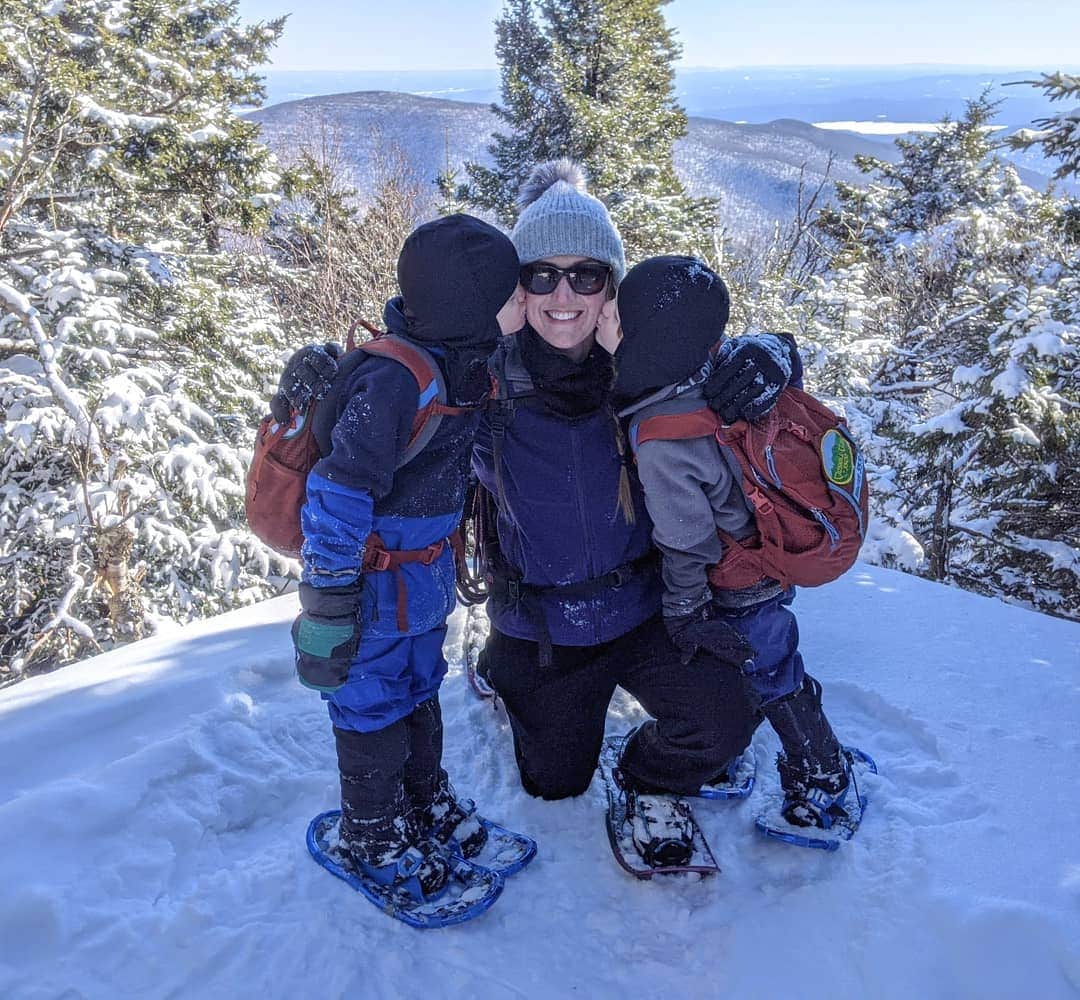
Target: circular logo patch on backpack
837	458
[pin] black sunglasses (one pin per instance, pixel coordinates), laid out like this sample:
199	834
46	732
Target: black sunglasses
586	278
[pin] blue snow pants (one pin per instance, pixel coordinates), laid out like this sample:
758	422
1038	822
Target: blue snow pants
770	627
388	679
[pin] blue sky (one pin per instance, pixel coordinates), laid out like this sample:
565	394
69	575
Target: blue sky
432	34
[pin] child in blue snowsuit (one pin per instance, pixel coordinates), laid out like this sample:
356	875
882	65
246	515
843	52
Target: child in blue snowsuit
672	312
370	638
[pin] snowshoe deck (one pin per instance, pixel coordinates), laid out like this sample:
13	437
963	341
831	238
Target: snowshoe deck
741	785
506	851
472	888
620	826
773	825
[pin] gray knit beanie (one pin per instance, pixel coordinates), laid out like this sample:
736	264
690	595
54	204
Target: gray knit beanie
559	217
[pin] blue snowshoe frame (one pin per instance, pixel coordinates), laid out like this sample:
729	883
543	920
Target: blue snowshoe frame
742	773
471	891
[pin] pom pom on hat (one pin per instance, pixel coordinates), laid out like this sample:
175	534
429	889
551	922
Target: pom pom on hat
546	174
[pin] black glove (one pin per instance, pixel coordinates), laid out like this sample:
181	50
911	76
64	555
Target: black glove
749	374
308	375
703	629
468	382
326	635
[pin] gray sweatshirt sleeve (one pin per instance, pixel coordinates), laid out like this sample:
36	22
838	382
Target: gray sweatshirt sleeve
690	492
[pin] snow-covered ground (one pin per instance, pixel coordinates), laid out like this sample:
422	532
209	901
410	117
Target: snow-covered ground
153	803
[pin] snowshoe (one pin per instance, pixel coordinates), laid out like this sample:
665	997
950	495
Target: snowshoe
421	870
815	810
456	825
662	828
397	889
736	781
651	834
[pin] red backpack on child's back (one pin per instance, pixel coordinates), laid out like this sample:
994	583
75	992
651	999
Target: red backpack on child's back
803	475
286	453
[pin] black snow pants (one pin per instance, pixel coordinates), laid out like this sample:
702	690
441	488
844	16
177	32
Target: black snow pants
389	773
703	713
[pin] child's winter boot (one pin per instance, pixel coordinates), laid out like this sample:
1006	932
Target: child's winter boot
814	770
388	850
814	794
453	822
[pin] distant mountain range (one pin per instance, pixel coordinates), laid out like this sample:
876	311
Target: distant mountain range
754	169
753	94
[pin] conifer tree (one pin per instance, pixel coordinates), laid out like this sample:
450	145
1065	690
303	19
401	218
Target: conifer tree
1058	135
594	81
135	355
964	281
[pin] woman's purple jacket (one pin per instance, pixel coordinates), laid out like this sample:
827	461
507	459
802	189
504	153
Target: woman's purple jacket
559	521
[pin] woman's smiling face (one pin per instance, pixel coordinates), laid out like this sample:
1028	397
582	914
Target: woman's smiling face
565	319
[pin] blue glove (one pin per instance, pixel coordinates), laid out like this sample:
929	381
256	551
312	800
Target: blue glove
326	635
308	375
702	629
749	374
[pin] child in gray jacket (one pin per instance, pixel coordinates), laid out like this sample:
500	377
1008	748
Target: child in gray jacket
666	332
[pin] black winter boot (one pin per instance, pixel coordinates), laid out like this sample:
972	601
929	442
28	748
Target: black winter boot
451	821
390	850
437	811
814	770
377	828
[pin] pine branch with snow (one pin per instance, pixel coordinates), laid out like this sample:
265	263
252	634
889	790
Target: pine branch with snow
135	356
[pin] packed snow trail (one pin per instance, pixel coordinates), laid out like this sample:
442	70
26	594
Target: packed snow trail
154	802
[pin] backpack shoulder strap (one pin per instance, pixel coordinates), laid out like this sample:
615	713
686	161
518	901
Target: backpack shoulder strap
432	406
674	427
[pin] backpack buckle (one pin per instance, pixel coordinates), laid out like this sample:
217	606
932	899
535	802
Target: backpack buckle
762	504
379	561
513	591
431	553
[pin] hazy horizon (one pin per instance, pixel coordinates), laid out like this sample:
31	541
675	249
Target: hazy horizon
680	67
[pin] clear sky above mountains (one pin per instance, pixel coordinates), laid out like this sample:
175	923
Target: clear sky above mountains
429	34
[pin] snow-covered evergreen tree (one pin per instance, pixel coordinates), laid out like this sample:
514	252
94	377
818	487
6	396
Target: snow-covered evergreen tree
1059	134
948	327
594	81
135	356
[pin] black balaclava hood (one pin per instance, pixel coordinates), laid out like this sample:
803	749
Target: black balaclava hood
672	311
455	274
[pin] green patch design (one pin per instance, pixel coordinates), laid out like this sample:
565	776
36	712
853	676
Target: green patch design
837	458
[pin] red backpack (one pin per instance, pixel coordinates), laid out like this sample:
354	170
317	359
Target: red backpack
803	475
286	453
